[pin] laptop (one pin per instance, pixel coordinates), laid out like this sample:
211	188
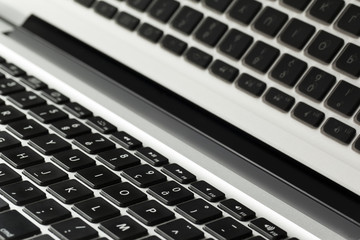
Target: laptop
169	119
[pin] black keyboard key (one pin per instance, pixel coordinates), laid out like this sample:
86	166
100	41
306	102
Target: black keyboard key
73	160
21	193
179	229
297	33
350	20
150	213
299	5
93	143
345	98
49	144
10	114
7	141
143	175
86	3
339	131
207	191
101	125
210	31
47	211
237	210
26	100
70	128
33	82
7	175
47	113
12	69
73	228
325	46
186	20
105	9
288	70
349	60
13	231
309	115
127	21
251	85
162	10
268	229
70	191
170	193
235	44
316	84
123	228
150	32
77	110
152	238
55	96
279	99
261	56
270	21
97	177
357	145
96	210
198	57
227	228
244	11
3	205
224	70
326	10
8	86
140	5
26	129
198	211
174	45
219	6
125	140
123	194
42	237
151	156
118	159
45	174
178	173
21	157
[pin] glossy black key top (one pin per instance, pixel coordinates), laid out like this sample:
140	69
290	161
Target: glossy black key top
42	237
198	211
349	60
162	10
97	177
207	191
151	156
224	70
170	193
73	160
118	159
105	9
47	114
21	193
33	82
261	56
123	194
309	115
8	86
326	10
26	100
45	174
93	143
55	96
244	11
77	110
47	211
237	210
270	21
210	31
10	114
297	33
178	173
268	229
219	6
140	5
12	231
127	21
12	69
143	175
21	157
3	205
123	228
357	145
299	5
8	141
339	130
150	213
227	228
126	140
186	20
179	229
7	175
70	191
345	98
70	128
198	57
325	46
174	45
150	32
235	44
96	210
251	85
73	228
279	99
85	3
350	20
26	129
49	144
101	125
316	84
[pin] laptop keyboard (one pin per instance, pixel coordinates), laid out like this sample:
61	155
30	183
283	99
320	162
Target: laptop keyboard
58	159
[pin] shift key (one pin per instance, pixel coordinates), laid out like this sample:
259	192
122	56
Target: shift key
11	231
